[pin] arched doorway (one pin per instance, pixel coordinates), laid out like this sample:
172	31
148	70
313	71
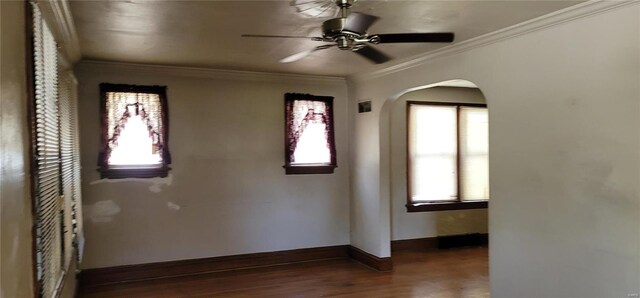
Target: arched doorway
468	183
421	230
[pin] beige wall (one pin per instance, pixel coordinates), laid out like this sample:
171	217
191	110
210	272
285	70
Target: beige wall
564	105
16	276
406	225
227	192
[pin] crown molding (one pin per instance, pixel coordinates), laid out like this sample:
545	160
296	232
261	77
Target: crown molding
556	18
58	16
209	73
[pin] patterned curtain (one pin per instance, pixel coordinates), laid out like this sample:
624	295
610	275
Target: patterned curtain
302	110
123	105
126	101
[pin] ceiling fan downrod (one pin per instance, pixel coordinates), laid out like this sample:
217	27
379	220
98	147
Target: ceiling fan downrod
344	7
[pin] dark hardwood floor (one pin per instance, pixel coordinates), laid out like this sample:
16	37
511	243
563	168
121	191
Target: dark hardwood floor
455	273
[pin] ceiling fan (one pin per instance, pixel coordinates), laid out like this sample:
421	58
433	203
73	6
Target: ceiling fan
349	32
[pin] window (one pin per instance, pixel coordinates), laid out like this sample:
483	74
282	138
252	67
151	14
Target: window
447	156
309	141
135	131
55	160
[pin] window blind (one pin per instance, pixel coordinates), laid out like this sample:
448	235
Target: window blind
76	215
474	152
432	153
69	161
49	248
447	152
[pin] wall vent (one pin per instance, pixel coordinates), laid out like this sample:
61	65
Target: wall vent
364	106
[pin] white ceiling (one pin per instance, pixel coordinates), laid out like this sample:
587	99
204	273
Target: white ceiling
207	33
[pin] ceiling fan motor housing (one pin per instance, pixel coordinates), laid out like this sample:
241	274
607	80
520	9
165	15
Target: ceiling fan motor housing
333	27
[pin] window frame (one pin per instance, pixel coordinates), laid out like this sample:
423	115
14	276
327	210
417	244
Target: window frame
459	204
294	169
133	171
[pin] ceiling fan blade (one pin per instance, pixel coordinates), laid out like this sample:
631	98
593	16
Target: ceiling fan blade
359	22
281	36
415	37
373	55
298	56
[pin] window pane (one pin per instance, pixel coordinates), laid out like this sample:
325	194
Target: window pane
310	119
312	145
134	128
432	153
135	146
474	153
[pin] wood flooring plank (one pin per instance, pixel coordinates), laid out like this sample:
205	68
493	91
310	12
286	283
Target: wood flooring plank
461	272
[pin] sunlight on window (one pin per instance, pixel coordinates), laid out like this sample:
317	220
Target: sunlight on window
474	150
433	153
312	146
135	146
448	153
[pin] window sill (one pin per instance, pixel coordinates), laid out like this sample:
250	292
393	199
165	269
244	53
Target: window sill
308	169
134	172
426	207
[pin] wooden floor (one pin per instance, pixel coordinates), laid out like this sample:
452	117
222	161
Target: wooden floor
456	273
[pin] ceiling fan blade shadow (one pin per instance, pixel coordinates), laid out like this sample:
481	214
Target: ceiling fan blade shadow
373	55
336	13
359	22
416	37
281	36
297	56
